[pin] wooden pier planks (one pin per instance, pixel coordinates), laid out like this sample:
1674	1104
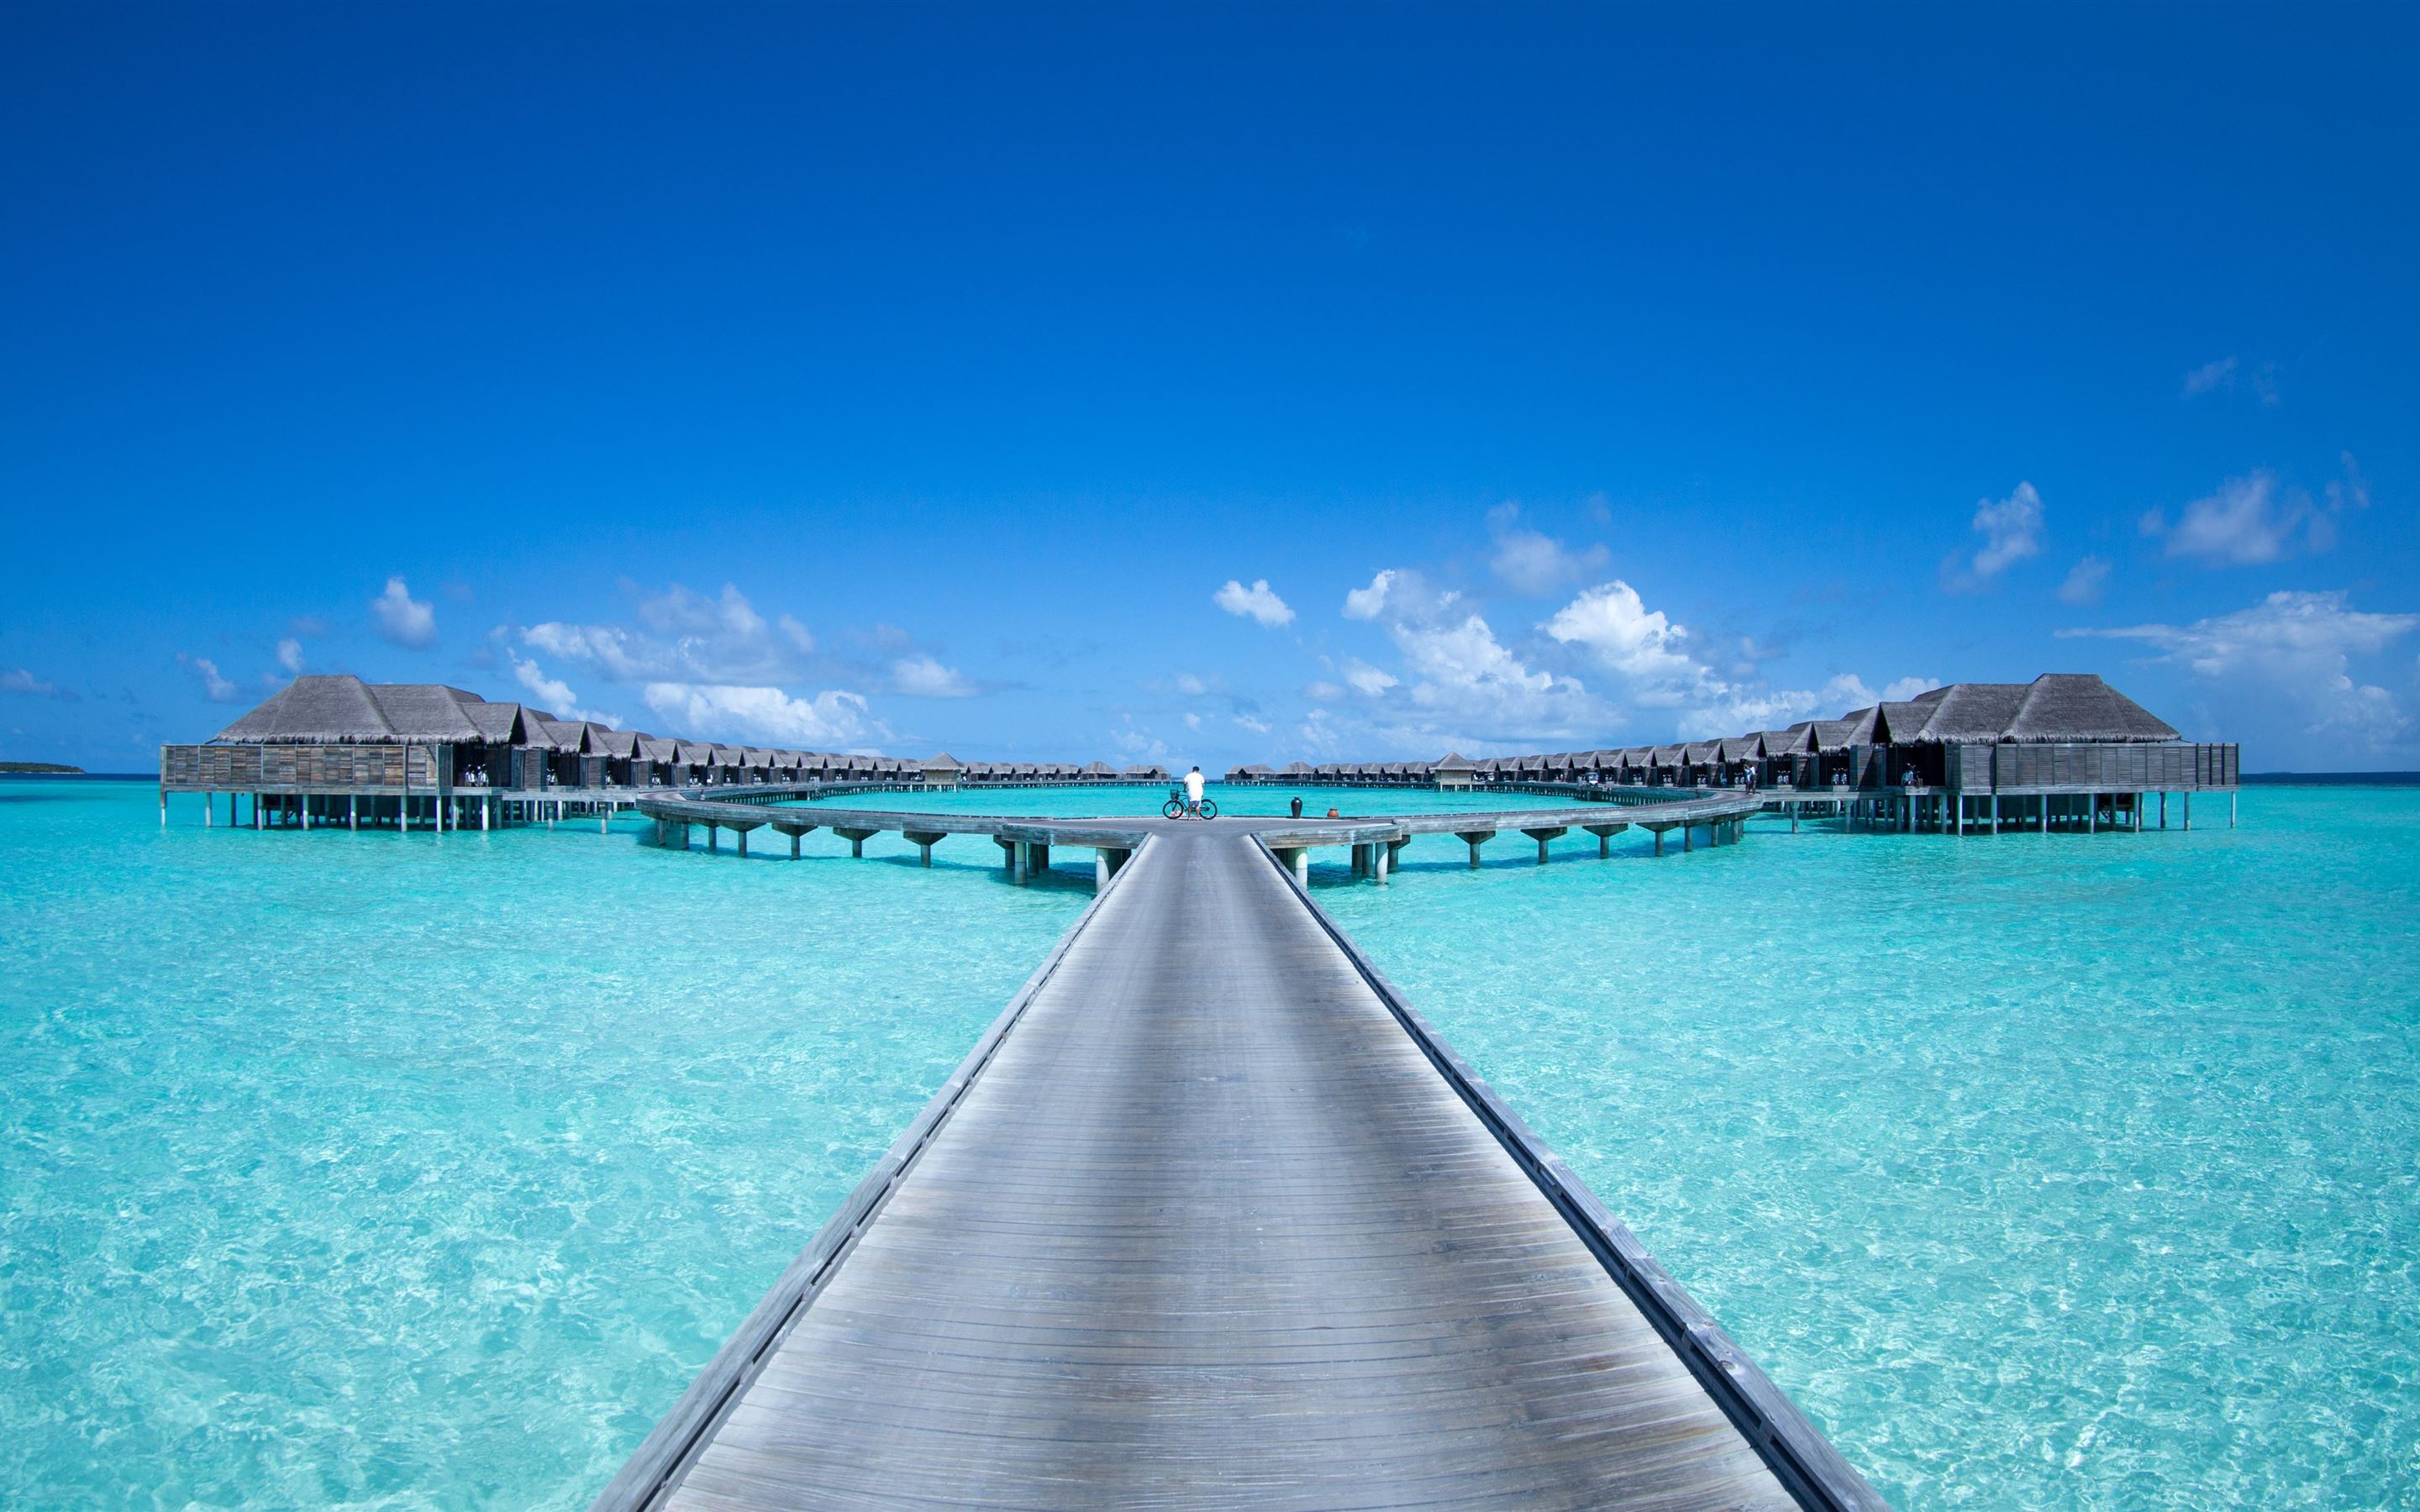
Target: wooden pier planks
1209	1229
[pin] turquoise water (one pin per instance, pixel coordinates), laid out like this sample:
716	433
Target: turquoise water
2046	1172
2056	1172
366	1170
1123	801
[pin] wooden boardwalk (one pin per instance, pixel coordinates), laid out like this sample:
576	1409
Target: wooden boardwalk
1210	1220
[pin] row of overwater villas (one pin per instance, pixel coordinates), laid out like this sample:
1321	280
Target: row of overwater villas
2061	730
336	734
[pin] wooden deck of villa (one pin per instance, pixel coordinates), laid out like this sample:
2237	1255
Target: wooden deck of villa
1210	1218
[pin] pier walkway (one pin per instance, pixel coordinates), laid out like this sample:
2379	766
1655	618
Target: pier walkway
1209	1218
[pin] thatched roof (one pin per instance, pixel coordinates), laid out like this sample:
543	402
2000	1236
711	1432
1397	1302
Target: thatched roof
1740	748
1146	770
1970	714
315	709
1795	741
2080	706
604	742
555	734
1298	769
1859	728
943	762
1453	763
1099	769
652	749
425	711
499	724
340	709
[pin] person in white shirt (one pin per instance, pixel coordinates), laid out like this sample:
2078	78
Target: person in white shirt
1193	789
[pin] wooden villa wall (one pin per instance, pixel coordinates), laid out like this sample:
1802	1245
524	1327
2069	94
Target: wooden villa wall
2092	768
306	768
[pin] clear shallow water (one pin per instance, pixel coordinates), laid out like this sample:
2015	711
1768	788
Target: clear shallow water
2046	1172
368	1170
1128	801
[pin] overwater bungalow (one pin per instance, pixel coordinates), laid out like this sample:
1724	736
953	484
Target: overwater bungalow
940	771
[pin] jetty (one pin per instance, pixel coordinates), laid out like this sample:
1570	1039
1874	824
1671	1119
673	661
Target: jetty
1211	1218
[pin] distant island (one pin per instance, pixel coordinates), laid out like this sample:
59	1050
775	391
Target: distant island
38	769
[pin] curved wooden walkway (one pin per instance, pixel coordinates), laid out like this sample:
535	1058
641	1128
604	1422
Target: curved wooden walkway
1209	1220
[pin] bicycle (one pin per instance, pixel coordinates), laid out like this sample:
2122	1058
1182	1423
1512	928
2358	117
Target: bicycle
1178	807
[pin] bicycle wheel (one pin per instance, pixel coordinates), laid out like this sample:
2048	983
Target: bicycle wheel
1173	809
1209	809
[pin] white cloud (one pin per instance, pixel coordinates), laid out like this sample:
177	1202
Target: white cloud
1323	690
2248	520
2084	581
1192	721
1531	563
1368	603
920	677
2011	532
405	620
214	687
1258	727
1745	711
1191	685
2294	649
2226	373
554	695
677	611
2209	377
1368	679
1140	744
687	637
2257	518
17	680
289	654
1846	691
1256	603
830	720
1642	644
2352	490
1466	674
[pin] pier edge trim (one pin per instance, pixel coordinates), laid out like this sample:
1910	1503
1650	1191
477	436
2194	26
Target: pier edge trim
655	1468
1808	1465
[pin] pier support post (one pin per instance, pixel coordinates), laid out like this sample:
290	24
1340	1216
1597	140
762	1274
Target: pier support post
1302	867
1474	839
1543	835
206	820
256	811
795	838
353	814
1021	861
163	805
1101	872
1659	842
923	840
2230	809
857	838
303	807
713	839
743	843
1381	857
2188	811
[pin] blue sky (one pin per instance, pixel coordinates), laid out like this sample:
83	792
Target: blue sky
1219	384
